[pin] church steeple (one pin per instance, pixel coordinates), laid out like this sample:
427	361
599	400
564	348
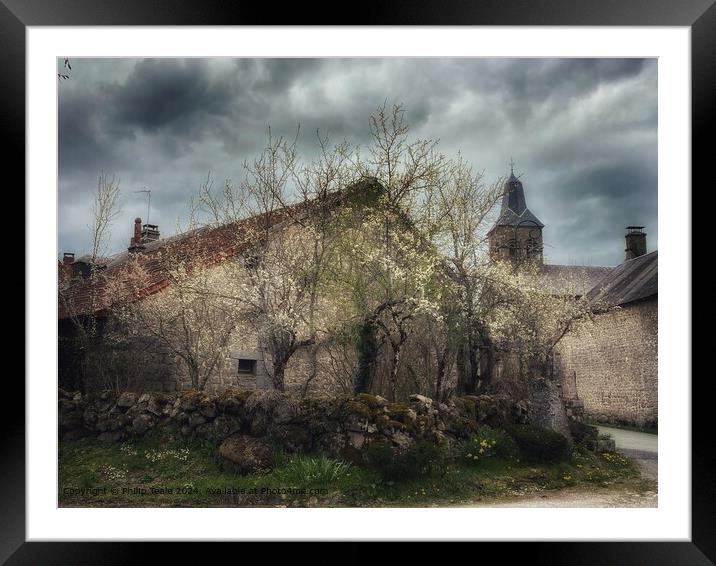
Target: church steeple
517	232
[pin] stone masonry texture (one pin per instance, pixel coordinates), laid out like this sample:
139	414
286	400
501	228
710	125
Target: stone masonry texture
611	365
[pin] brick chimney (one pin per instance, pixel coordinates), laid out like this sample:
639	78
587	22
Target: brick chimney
68	258
135	243
635	242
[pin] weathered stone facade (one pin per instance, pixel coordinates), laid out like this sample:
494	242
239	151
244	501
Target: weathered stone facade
611	365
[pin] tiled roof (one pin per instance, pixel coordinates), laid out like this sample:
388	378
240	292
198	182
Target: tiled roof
203	246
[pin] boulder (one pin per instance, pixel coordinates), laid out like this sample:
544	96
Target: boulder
142	423
207	407
292	438
356	440
126	400
196	419
246	454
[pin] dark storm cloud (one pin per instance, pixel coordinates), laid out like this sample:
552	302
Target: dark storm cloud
582	132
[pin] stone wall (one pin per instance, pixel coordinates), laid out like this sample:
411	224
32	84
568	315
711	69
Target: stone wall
338	426
547	409
612	366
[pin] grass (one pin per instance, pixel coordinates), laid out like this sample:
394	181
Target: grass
158	471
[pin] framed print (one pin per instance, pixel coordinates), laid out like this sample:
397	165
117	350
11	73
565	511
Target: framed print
385	279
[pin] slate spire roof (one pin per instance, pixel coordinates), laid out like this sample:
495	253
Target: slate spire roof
514	209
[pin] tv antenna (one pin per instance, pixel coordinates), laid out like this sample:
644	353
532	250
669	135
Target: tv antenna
149	201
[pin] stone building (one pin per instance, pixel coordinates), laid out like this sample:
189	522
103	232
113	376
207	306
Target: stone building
143	363
611	365
607	368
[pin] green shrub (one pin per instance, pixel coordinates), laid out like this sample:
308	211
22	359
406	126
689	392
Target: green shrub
540	445
584	435
423	458
303	469
487	443
380	456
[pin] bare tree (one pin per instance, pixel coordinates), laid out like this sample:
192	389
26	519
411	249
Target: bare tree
105	209
186	317
79	295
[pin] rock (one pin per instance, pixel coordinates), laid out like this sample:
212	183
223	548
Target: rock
156	407
196	419
68	420
381	401
126	400
208	408
331	444
90	416
190	400
292	438
246	454
356	440
285	411
606	445
415	398
226	425
401	440
142	423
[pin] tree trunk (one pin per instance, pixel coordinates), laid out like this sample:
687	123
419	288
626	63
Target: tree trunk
393	379
440	377
279	370
367	355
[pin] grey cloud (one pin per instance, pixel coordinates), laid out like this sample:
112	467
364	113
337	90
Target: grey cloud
582	131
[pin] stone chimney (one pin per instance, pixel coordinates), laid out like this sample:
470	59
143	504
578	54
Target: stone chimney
635	242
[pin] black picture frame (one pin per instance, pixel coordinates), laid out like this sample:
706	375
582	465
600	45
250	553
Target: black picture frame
699	15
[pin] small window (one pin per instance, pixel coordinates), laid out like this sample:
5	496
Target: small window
247	367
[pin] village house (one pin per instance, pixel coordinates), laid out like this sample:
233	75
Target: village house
608	368
144	362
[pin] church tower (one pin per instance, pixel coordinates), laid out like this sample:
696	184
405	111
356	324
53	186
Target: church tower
517	234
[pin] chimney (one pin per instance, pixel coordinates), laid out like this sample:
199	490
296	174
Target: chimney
150	233
635	242
68	258
135	244
137	237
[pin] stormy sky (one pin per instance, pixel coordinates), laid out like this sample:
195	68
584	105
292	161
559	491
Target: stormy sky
582	133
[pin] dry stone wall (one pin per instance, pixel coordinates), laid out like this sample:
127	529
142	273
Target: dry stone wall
337	426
